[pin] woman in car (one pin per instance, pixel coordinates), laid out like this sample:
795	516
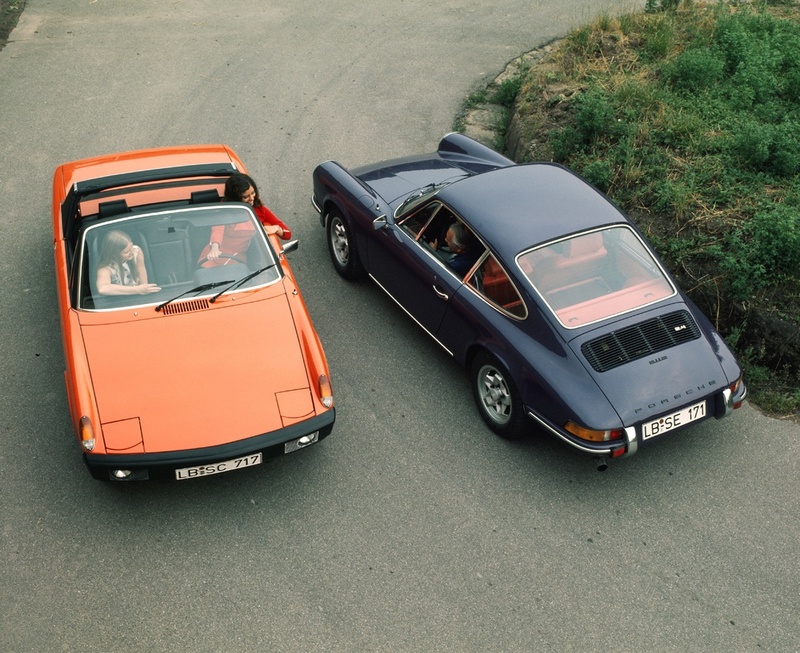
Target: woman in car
234	239
121	269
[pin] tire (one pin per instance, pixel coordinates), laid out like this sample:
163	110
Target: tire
497	398
342	247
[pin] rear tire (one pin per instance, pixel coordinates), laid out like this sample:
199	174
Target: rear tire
497	398
342	247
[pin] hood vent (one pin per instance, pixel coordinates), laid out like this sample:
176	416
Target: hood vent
185	307
643	339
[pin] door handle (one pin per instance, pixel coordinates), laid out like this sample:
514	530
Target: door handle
442	295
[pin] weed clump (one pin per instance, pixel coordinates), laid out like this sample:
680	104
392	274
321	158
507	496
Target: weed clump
688	116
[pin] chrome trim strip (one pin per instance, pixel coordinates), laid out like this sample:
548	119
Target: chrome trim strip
409	315
590	450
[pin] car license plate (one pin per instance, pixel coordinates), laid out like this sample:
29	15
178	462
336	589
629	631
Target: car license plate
669	422
218	468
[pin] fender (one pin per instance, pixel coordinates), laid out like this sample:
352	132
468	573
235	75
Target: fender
457	147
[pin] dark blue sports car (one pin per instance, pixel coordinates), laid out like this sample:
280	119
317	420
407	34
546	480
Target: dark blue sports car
540	286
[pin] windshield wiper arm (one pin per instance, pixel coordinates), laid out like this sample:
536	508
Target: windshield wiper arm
415	196
245	278
430	189
201	288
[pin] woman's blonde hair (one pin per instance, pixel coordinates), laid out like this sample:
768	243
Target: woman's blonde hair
114	242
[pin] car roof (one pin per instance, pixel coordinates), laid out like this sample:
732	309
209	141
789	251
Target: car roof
517	207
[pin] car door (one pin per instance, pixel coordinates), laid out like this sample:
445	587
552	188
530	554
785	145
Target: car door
409	269
487	307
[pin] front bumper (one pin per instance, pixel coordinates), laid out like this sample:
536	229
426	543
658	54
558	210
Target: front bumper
162	465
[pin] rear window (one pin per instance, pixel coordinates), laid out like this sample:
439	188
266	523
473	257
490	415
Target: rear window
595	275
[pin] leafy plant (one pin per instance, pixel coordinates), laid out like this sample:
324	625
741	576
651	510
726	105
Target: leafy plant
688	115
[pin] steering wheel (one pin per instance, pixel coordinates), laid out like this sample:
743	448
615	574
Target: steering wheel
233	258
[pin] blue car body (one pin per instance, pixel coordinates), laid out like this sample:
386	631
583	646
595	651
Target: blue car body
603	363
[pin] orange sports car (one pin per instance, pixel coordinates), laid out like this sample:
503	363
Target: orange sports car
180	364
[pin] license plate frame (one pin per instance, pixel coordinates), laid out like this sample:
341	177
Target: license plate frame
201	471
667	423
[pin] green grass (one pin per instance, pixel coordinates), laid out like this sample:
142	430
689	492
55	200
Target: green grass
688	116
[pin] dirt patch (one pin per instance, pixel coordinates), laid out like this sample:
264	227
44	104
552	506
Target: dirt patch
9	15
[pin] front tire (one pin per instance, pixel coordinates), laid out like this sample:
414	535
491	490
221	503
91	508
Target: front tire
342	247
497	398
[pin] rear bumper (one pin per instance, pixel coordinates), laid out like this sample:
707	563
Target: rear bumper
720	405
612	449
162	465
728	401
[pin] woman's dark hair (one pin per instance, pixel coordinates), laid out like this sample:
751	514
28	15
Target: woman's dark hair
237	185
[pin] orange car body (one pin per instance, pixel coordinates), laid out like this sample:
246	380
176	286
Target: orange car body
221	368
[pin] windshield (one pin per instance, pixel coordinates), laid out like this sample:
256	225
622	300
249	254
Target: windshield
595	275
156	258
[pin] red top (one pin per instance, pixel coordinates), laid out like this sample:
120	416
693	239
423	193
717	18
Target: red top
234	239
268	217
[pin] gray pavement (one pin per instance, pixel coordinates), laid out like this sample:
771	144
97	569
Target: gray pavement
411	528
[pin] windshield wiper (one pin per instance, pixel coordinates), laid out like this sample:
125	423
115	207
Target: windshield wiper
415	196
201	288
428	190
244	279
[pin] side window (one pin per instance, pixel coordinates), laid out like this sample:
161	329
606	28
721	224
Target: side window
429	224
415	223
437	229
491	281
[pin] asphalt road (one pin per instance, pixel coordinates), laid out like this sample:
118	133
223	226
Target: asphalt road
411	528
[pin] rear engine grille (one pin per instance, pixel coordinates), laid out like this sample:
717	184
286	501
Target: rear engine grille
185	307
643	339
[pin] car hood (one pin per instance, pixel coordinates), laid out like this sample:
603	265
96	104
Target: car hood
659	382
197	379
396	180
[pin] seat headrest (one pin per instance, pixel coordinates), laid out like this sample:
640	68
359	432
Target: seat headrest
585	245
205	196
112	208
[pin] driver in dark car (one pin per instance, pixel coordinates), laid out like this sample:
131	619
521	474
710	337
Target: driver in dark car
460	250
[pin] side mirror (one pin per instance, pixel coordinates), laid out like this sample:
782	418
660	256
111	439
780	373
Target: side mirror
380	223
289	247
